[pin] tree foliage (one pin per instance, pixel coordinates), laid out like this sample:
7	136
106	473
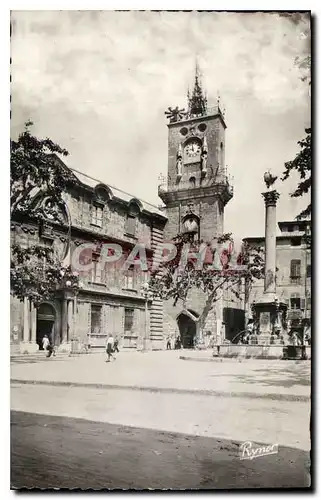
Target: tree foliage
36	272
34	167
176	278
302	165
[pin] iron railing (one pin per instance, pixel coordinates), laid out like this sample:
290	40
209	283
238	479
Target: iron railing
224	180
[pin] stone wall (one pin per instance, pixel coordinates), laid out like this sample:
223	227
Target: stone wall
195	303
215	135
285	252
80	206
113	290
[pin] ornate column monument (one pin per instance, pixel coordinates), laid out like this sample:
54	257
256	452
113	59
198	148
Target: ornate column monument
269	313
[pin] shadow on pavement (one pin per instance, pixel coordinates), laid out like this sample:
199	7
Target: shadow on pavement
61	452
283	377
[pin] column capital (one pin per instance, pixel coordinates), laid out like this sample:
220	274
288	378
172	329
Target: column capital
270	198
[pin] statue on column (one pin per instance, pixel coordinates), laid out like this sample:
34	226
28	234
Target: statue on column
269	179
179	162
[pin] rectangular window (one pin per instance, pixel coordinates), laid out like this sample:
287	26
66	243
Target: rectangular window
96	272
309	271
96	318
295	302
97	216
295	271
130	227
129	279
129	320
296	242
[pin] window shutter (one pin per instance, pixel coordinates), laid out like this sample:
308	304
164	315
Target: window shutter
295	268
302	304
93	214
99	218
97	269
131	225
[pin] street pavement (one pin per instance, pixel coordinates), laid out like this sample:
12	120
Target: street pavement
243	419
164	370
55	452
181	427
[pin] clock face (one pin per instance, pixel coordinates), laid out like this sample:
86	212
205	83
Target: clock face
193	149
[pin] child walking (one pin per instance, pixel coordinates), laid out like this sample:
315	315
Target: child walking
110	348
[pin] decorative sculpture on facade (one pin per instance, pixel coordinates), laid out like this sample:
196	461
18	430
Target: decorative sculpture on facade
179	162
175	114
204	157
190	222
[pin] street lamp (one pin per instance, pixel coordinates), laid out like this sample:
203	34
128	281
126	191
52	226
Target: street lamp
71	283
148	295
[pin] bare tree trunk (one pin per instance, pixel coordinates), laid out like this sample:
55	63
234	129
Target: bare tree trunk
211	299
204	314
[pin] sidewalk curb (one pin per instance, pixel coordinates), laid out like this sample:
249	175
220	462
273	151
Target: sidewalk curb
237	359
169	390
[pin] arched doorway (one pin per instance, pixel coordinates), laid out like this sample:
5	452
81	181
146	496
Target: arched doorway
187	330
46	322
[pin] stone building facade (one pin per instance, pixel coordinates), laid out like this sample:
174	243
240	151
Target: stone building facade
293	275
194	194
109	300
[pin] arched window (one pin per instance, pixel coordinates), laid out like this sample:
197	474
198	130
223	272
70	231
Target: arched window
192	182
134	209
46	310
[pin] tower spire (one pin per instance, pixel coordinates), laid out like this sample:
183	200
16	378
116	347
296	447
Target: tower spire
197	102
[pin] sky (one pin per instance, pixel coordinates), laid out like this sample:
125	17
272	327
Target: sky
98	83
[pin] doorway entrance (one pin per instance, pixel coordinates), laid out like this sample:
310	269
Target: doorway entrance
46	322
187	330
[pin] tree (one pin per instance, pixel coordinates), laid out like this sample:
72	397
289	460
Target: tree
176	278
36	271
302	161
301	164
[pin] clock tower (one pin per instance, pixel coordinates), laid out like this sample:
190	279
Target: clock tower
196	167
197	187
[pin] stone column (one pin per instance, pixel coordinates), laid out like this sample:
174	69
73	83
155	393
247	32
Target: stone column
270	198
32	344
26	318
71	320
64	321
33	328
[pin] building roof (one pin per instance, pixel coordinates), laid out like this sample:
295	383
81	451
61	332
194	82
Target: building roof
285	224
91	182
278	238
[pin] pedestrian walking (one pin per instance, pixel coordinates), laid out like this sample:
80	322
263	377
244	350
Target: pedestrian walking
110	348
116	345
45	343
178	343
169	344
51	350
